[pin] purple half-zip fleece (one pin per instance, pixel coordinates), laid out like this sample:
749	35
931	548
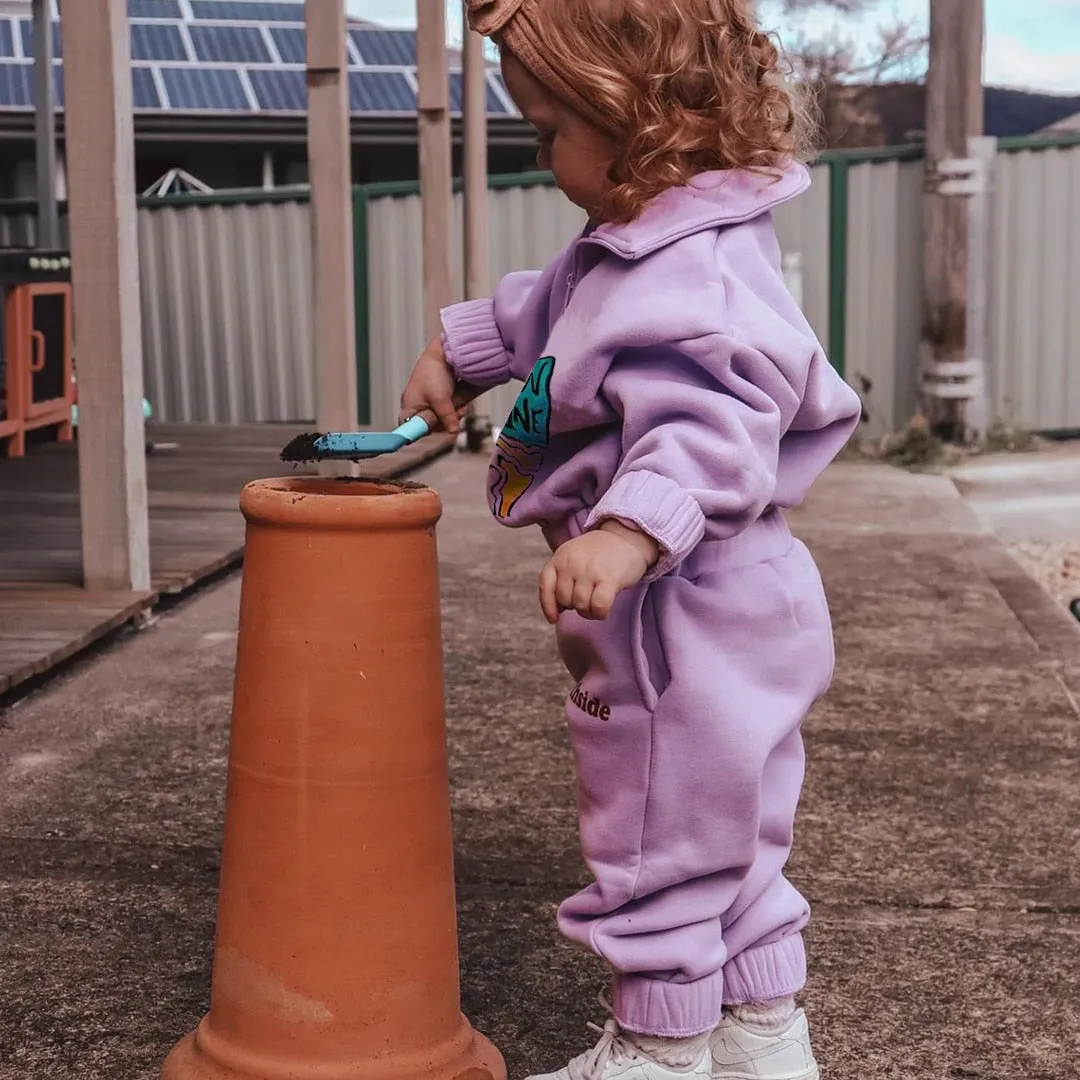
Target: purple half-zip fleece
671	380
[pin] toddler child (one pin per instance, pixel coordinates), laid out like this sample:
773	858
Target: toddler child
676	402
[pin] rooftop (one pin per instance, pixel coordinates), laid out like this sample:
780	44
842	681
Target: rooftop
1068	124
235	57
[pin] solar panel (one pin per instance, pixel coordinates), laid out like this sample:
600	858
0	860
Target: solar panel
144	93
205	88
231	62
26	28
386	48
457	95
230	44
380	91
291	43
155	9
144	89
260	11
279	91
17	85
151	42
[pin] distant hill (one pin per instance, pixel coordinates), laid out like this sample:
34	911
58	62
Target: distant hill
901	106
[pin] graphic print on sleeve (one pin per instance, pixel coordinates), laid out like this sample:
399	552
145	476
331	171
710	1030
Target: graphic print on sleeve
519	451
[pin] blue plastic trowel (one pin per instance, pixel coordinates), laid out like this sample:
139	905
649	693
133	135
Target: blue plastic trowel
360	445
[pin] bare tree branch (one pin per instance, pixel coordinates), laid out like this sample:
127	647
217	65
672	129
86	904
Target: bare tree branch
842	70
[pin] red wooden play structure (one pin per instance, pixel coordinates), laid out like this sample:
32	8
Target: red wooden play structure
36	390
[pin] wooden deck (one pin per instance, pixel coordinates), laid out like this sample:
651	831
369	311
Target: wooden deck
196	530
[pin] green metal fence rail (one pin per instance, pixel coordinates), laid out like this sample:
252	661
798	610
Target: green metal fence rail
866	312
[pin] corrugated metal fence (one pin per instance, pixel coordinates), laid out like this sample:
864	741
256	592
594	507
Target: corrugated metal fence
1033	364
1035	292
529	225
802	228
226	310
226	280
878	344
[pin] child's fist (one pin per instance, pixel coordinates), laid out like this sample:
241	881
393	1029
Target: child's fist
431	386
587	573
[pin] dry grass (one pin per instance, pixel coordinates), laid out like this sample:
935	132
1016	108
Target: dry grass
918	449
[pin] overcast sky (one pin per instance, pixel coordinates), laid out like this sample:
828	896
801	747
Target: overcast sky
1033	44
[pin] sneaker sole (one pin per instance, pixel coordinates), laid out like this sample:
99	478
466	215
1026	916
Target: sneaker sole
811	1074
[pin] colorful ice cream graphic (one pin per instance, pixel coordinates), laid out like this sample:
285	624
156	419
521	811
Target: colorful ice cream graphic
519	451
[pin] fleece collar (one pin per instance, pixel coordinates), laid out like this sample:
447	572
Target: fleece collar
708	201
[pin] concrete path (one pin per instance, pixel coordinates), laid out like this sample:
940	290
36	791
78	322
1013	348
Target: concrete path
1033	502
1032	496
939	835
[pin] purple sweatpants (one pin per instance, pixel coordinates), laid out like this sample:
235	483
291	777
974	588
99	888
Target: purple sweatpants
686	729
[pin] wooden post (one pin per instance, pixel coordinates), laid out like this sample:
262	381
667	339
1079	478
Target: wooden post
330	169
436	162
48	216
268	179
954	114
478	418
105	274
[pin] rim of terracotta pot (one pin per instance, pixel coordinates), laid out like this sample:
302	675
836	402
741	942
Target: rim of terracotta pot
325	502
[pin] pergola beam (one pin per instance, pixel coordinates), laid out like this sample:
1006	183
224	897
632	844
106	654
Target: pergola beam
330	171
475	158
105	274
436	163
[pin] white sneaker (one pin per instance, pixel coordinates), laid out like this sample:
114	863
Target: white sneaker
616	1057
741	1054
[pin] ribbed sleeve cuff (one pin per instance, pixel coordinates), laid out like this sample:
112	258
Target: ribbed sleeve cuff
474	347
661	509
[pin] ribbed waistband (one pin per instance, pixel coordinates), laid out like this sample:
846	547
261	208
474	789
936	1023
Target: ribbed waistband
767	538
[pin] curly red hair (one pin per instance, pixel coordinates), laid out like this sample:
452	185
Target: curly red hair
683	87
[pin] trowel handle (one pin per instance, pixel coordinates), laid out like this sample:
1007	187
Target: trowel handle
464	394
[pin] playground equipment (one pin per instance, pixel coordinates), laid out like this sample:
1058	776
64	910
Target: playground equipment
336	955
35	345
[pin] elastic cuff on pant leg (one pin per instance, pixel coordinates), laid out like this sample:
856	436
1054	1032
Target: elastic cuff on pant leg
766	972
672	1010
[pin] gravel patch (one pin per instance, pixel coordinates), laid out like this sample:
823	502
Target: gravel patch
1055	565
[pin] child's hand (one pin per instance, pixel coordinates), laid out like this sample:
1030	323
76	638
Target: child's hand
431	386
587	573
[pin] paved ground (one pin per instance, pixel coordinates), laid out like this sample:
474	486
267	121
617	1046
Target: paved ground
1033	502
938	839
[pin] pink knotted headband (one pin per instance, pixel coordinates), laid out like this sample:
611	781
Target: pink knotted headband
515	25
